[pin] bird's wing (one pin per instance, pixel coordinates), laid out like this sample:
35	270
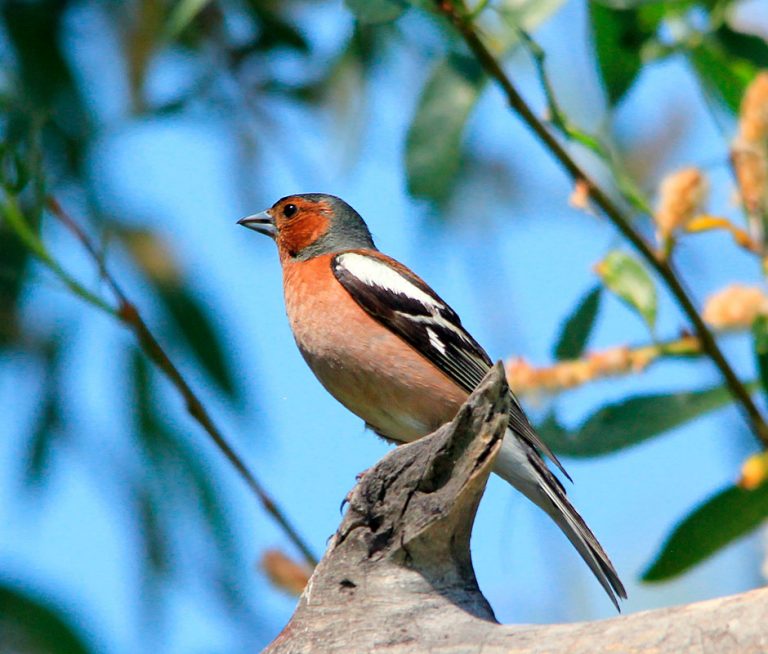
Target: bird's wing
403	303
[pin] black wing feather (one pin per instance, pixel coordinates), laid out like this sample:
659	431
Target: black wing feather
461	357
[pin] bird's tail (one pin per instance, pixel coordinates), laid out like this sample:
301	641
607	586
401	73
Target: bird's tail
522	467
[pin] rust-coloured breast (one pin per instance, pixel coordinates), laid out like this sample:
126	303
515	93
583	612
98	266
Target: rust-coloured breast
369	369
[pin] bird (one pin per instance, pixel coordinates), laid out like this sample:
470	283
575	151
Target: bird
389	349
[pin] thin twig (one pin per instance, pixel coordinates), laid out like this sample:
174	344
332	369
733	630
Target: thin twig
15	219
453	11
129	315
560	121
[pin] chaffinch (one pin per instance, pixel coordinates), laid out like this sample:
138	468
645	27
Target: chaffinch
387	347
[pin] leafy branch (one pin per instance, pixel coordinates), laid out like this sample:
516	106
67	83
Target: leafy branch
455	12
127	313
563	124
732	309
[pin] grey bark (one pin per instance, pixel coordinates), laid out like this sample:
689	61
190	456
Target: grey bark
397	577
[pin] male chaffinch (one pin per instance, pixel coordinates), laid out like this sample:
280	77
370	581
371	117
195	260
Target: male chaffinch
387	347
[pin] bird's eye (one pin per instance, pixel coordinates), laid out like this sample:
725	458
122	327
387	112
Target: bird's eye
289	210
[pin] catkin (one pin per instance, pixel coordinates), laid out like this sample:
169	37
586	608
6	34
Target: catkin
735	307
681	195
749	150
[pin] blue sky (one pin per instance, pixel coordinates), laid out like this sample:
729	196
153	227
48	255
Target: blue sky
512	260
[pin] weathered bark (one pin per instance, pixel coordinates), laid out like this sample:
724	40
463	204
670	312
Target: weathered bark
398	577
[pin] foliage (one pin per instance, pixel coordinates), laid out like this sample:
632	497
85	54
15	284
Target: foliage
48	127
626	37
433	144
716	523
30	625
627	277
235	56
616	426
578	326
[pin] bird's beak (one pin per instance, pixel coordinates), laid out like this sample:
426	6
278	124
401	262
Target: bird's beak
260	222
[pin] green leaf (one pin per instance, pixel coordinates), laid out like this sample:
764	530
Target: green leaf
142	393
14	173
577	328
725	76
720	520
376	11
13	264
628	278
278	33
49	419
39	449
195	324
618	38
34	30
39	446
28	235
29	625
154	530
189	316
525	15
44	81
274	32
631	421
182	15
433	145
744	46
760	344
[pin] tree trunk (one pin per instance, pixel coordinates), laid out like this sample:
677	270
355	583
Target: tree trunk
398	577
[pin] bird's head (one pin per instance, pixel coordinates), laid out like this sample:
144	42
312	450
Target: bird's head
308	225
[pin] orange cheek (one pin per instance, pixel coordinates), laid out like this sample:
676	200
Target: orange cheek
295	235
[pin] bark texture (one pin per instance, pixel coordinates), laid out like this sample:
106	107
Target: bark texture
397	577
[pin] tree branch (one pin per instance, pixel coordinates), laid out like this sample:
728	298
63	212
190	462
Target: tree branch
397	577
453	10
399	562
129	315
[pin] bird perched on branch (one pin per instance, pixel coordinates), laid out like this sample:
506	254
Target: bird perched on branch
387	347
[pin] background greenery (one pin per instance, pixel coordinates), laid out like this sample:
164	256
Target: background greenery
308	93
